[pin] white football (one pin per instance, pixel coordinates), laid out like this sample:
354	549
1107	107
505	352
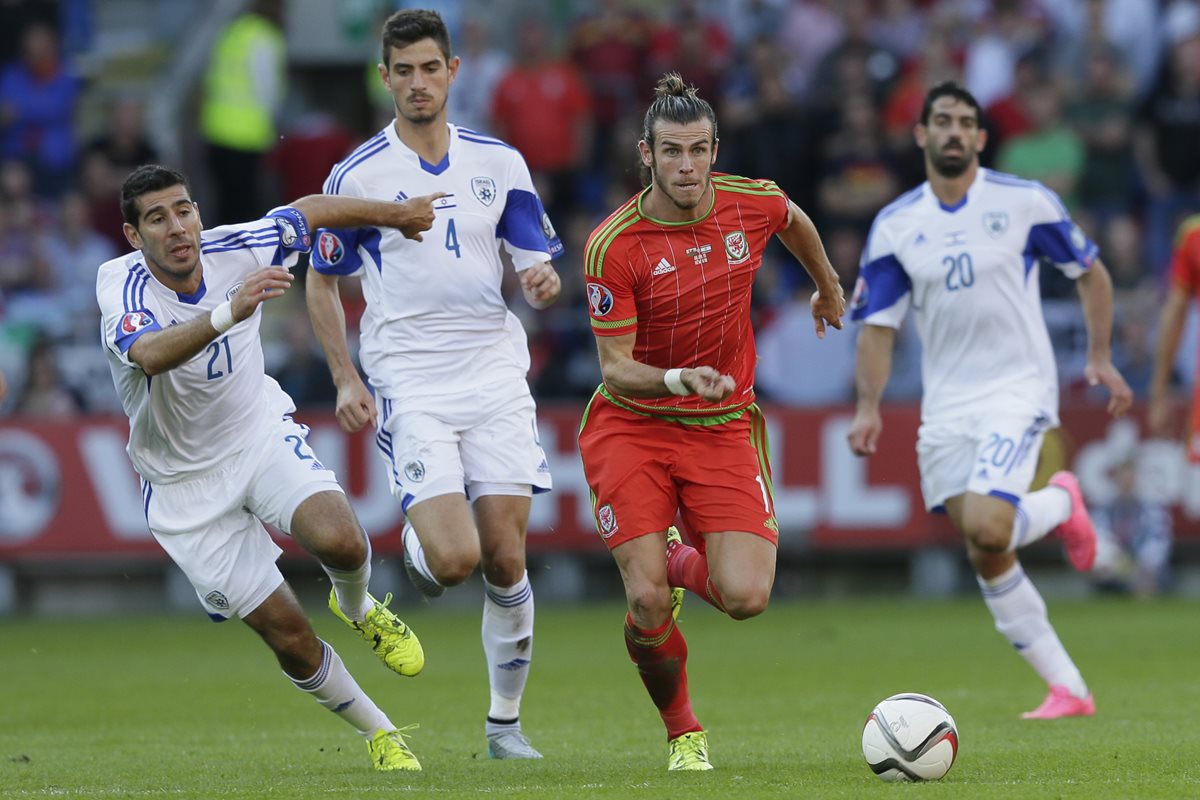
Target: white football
910	737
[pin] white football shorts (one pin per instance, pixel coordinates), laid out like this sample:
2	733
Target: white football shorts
482	443
210	525
990	454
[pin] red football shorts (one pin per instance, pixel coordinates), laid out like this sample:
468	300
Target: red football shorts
643	470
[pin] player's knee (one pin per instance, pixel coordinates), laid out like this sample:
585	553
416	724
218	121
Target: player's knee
504	568
989	536
346	549
453	570
747	603
649	605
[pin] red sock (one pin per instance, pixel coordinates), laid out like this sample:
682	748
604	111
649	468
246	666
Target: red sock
689	569
661	658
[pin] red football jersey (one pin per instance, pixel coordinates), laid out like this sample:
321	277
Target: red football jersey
684	287
1185	261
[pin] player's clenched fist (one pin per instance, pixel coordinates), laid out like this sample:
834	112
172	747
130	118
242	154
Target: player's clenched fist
260	286
541	284
418	215
709	384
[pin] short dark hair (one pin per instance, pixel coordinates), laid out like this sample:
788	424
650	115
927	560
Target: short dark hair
144	179
675	101
411	26
949	89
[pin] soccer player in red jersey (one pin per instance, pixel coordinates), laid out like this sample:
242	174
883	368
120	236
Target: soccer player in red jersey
1184	285
674	428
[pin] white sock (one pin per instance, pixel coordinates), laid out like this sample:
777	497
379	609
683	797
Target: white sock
335	688
350	587
1037	514
508	645
416	553
1020	615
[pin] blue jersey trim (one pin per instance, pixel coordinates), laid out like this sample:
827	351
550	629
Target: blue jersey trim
484	140
1055	241
904	200
341	243
195	297
267	231
1005	496
884	283
376	144
435	169
520	224
955	207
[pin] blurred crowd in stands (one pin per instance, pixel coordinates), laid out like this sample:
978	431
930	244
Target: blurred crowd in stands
1098	99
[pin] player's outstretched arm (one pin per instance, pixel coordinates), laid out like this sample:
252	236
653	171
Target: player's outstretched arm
355	406
540	284
163	350
1170	331
871	370
1096	294
410	217
626	376
801	239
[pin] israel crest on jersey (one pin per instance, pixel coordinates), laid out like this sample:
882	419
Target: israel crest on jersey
995	223
484	189
737	249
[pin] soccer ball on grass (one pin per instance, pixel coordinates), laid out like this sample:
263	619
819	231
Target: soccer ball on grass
910	737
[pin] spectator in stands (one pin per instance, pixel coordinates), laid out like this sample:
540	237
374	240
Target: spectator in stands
1168	129
858	178
766	129
45	393
101	185
311	144
72	249
1102	115
244	90
555	141
697	46
1050	151
855	56
37	111
303	375
1009	115
809	30
610	47
1134	538
480	70
124	141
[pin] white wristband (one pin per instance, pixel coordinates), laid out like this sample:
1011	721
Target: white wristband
673	378
221	317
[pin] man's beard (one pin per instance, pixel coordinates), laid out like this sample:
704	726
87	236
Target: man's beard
950	169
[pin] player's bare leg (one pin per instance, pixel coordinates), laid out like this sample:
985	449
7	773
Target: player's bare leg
734	574
508	613
316	669
1016	605
449	541
325	525
657	647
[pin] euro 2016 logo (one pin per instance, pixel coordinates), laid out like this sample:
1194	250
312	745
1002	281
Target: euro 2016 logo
329	247
600	299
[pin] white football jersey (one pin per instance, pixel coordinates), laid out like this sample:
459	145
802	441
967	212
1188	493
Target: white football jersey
191	418
970	275
435	321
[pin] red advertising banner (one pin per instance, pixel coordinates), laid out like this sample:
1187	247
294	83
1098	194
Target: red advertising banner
67	489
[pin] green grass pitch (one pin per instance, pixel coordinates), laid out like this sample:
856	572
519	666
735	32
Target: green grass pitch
178	707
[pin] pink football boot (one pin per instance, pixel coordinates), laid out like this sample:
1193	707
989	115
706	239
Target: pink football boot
1077	533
